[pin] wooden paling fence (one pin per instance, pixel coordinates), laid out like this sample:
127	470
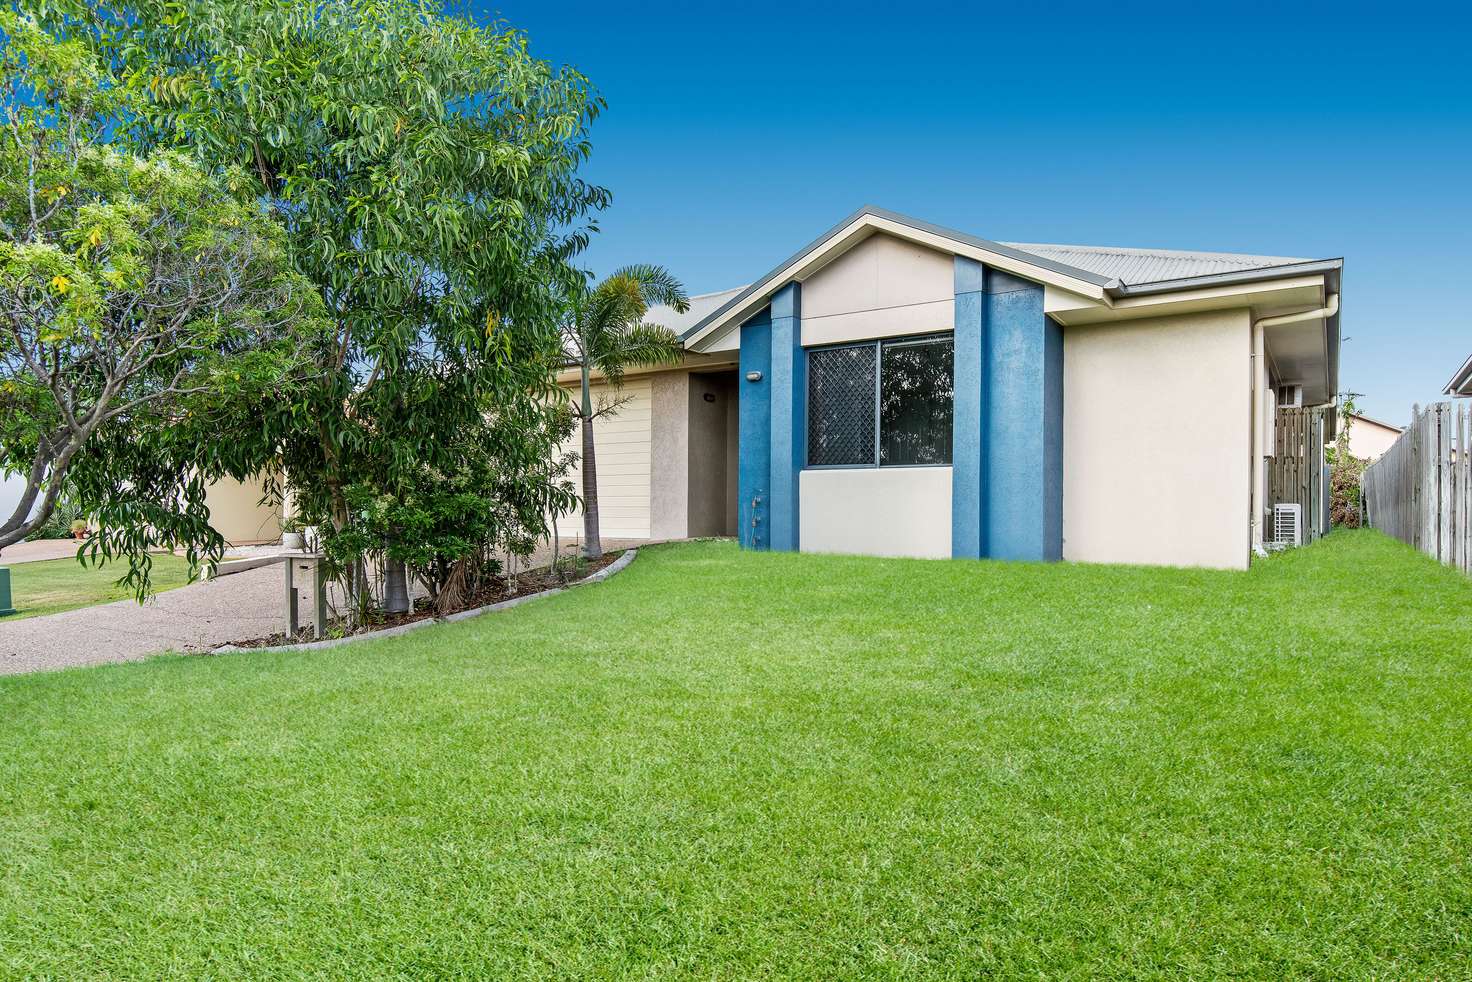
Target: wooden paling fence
1420	491
1296	471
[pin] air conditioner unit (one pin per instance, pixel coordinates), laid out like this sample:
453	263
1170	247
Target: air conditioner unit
1290	397
1287	525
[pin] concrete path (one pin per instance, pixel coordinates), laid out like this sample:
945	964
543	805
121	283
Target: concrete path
192	618
31	552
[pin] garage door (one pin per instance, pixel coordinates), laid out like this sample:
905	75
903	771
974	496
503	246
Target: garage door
622	445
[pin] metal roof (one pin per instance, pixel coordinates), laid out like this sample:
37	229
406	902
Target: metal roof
1378	422
1133	266
1120	271
700	306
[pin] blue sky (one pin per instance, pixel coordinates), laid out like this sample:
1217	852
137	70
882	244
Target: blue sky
736	133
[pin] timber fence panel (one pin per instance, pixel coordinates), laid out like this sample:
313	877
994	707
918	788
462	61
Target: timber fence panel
1296	469
1420	490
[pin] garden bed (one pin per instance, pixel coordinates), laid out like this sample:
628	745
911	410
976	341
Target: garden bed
526	584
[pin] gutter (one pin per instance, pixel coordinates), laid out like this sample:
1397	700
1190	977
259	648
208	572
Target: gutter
1226	279
1325	312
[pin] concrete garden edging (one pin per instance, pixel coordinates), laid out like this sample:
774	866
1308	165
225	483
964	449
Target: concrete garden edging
463	615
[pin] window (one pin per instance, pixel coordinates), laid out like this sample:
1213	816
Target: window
915	402
881	403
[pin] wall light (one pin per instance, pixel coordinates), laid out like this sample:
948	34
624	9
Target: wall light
753	376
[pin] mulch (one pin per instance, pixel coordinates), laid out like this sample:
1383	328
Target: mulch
497	591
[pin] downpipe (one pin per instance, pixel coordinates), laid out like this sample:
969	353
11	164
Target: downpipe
1330	308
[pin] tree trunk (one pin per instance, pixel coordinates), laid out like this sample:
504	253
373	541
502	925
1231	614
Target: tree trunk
592	545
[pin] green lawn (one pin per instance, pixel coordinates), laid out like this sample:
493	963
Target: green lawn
728	765
53	585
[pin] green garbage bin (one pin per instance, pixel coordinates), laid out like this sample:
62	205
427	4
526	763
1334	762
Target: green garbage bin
6	607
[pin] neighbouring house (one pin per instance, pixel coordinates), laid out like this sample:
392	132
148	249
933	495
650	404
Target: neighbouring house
897	388
12	488
238	513
1461	383
235	508
1369	438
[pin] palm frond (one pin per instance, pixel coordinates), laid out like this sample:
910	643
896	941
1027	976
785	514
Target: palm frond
650	344
611	327
657	284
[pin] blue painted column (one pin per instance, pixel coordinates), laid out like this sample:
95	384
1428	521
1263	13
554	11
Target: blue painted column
968	480
754	463
789	416
1023	432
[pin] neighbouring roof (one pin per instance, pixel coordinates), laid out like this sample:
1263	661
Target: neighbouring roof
1461	383
700	306
1135	266
1378	422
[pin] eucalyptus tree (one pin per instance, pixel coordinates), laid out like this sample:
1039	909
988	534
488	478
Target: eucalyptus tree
426	170
137	295
604	331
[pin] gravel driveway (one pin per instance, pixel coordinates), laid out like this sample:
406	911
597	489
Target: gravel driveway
191	618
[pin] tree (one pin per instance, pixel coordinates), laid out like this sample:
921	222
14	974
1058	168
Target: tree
491	492
604	331
136	294
1345	470
425	169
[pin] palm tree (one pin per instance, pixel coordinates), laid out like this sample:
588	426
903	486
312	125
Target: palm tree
605	332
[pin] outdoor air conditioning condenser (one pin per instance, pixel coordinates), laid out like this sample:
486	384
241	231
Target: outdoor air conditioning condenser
1287	525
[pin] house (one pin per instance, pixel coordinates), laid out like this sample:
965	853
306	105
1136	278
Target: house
1369	438
1461	382
239	514
896	388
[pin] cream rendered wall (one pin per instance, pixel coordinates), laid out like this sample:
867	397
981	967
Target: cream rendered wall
883	287
237	514
877	511
880	288
1156	441
669	494
622	443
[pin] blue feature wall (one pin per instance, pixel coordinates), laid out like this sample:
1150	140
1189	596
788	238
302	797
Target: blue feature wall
1052	439
754	465
789	416
1007	470
1007	464
968	475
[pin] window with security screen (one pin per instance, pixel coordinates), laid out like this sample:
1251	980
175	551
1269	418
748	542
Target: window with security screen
881	403
842	415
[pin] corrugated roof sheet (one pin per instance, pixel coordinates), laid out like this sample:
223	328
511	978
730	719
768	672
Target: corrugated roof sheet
1134	266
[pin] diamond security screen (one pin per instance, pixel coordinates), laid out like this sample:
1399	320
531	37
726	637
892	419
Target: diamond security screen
841	405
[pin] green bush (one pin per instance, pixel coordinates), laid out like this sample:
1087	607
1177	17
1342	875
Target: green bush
59	525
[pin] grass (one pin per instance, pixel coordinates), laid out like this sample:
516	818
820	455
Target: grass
728	765
50	586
